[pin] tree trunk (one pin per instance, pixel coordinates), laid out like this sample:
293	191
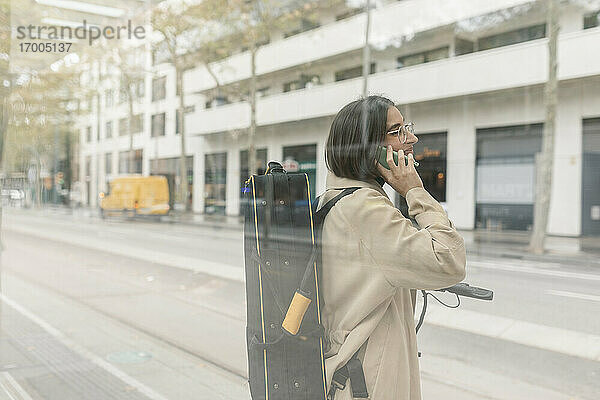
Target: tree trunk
38	183
5	40
367	51
183	178
3	126
252	130
544	161
130	126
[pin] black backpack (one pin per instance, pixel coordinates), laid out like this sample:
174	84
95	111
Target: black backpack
284	334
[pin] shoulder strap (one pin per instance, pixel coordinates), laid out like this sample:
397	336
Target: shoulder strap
320	215
304	294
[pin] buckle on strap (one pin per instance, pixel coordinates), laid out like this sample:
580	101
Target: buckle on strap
337	385
353	370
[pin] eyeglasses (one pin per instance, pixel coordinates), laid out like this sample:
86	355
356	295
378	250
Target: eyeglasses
403	131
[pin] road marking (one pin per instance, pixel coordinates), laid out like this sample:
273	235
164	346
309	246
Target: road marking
573	295
15	385
572	343
100	362
532	270
477	383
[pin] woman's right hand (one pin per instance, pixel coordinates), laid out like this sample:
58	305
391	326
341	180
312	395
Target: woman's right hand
400	177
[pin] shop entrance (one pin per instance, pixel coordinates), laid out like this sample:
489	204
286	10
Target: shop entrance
261	166
302	159
215	180
430	152
590	178
505	176
169	167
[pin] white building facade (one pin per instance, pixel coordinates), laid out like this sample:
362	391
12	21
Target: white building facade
470	74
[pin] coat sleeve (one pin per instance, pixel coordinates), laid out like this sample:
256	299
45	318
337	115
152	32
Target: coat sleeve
431	257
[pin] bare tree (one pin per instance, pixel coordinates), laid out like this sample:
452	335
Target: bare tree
5	84
544	160
254	22
175	22
131	72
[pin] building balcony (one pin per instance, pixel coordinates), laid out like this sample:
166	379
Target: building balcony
389	23
502	68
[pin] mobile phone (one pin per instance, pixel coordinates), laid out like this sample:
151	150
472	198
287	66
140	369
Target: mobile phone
382	158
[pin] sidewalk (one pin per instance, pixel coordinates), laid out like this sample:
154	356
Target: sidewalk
505	244
508	244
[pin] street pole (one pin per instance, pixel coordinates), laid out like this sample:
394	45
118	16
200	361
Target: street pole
544	161
55	167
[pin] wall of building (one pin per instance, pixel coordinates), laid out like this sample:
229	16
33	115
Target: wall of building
457	95
460	118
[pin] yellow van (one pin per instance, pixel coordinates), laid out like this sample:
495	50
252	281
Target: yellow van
136	195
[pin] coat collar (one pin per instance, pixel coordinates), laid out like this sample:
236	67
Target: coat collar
336	182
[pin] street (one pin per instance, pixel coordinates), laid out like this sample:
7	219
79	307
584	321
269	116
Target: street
136	309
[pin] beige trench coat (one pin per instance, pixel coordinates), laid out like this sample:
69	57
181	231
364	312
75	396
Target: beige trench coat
372	258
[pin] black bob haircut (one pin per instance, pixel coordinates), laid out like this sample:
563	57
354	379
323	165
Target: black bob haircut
356	132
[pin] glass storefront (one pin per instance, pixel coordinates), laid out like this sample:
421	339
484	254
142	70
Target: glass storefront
302	158
169	167
261	166
590	180
505	176
215	179
127	165
430	152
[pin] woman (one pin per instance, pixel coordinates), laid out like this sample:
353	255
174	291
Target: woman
373	256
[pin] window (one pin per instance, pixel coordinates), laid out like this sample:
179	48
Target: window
463	46
261	165
108	163
512	37
215	180
108	98
88	134
88	103
590	176
128	164
262	92
305	81
160	53
159	88
188	109
88	166
158	125
123	129
354	72
305	25
170	168
137	125
289	86
302	158
123	94
139	88
259	43
424	57
505	176
108	130
217	101
591	20
430	152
